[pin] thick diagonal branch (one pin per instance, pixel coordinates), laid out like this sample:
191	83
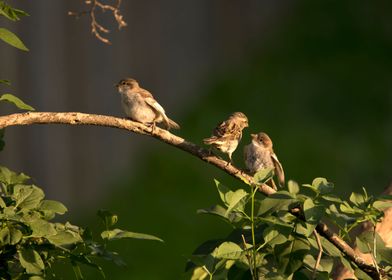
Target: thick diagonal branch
74	118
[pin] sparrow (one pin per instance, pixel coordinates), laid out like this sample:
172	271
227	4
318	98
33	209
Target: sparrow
260	155
139	105
226	136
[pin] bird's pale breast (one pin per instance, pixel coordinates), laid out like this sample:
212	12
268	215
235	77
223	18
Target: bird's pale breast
137	109
258	158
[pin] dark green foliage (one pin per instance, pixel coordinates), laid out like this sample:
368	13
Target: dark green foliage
31	243
270	242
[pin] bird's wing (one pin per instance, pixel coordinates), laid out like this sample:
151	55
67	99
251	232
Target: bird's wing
226	128
149	99
278	169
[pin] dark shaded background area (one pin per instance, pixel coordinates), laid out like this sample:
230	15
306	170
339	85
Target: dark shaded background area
315	76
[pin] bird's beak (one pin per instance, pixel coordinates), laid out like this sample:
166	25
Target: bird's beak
253	135
116	85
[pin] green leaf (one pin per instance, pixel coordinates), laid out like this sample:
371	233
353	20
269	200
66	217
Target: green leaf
328	247
293	187
100	251
63	238
9	177
322	185
332	198
361	275
16	101
11	39
10	236
236	200
276	201
263	175
220	211
381	205
365	243
228	250
222	190
2	203
313	213
27	196
52	205
77	271
346	208
274	235
41	228
290	255
119	234
31	261
10	12
36	277
109	219
358	199
6	82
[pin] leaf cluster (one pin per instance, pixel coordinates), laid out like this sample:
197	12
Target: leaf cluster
270	240
31	243
6	35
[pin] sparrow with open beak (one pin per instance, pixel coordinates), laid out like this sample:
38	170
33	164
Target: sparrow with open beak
260	155
139	105
226	136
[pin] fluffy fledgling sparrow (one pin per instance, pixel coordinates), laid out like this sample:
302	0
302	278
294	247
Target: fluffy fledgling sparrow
226	136
260	155
139	105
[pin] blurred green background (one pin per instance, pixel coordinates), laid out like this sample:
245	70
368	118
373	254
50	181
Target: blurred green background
320	85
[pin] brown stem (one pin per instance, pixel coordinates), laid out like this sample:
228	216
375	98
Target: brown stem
75	118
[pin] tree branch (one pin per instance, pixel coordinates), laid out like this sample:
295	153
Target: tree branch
75	118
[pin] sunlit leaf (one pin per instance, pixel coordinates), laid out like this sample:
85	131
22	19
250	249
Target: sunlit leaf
52	205
263	175
9	177
27	196
228	250
293	187
276	201
11	39
120	234
63	238
236	200
322	185
31	261
10	12
16	101
357	198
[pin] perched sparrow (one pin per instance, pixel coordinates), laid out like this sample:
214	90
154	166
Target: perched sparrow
260	155
139	105
226	136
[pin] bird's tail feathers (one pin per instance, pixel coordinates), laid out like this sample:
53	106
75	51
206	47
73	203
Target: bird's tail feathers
209	140
171	124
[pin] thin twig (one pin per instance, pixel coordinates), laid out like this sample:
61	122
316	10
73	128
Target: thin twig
248	256
96	28
373	259
75	118
316	265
